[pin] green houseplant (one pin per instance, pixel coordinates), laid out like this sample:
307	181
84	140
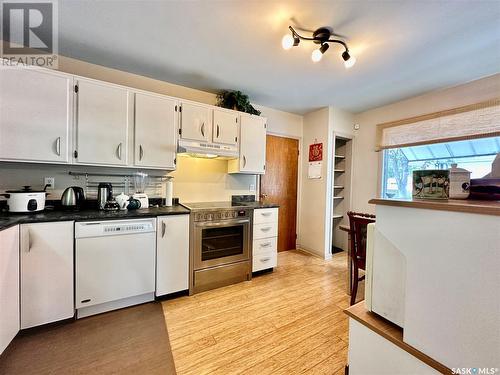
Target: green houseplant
236	100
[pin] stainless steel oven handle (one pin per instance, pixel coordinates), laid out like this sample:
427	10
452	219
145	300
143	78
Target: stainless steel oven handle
224	223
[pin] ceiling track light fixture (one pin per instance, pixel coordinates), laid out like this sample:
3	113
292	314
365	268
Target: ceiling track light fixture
322	36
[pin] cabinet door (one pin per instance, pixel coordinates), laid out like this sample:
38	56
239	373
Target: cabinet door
155	131
196	122
46	273
102	123
35	115
9	285
253	144
172	254
225	129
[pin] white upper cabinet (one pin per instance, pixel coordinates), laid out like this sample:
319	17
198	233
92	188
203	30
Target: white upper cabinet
252	146
225	127
35	115
155	131
102	123
196	122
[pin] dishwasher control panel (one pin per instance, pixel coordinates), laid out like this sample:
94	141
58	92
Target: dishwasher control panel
114	227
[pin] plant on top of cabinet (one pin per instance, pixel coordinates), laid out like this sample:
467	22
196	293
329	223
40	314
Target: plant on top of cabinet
237	101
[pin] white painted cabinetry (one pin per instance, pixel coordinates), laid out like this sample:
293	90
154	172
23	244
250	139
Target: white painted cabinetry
9	285
155	131
196	122
225	127
172	254
252	146
46	273
35	115
265	239
102	123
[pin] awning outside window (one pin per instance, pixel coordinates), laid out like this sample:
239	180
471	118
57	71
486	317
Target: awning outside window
469	122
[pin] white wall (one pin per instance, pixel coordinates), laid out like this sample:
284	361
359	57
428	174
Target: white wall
366	161
316	199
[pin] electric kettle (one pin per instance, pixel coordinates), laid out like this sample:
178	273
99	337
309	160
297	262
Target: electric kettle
73	198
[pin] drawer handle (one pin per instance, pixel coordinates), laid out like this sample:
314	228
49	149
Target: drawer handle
267	244
265	229
266	213
265	259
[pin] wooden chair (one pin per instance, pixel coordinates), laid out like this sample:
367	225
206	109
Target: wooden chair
358	225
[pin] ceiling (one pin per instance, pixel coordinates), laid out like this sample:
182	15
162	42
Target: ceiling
403	48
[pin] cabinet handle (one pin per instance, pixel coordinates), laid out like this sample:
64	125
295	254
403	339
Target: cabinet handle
202	129
244	161
141	152
58	146
29	239
163	228
217	131
267	244
119	151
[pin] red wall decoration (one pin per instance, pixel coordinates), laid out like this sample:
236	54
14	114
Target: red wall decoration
316	152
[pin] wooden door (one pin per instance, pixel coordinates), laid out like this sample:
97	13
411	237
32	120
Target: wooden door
35	115
225	129
102	123
155	131
196	122
280	185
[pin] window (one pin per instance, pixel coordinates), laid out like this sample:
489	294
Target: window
475	155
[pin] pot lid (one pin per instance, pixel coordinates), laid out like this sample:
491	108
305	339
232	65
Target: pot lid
455	169
25	189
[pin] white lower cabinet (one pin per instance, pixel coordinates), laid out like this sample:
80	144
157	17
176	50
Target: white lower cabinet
46	273
370	353
265	239
9	285
172	254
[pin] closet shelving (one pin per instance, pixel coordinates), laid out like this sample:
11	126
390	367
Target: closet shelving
341	191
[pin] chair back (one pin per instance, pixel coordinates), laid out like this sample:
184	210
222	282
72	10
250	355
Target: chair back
358	223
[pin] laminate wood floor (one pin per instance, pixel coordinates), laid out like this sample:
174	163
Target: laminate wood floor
289	321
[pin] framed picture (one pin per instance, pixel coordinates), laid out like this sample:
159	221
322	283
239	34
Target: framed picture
431	184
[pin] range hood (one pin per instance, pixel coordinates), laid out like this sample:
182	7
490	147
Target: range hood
207	150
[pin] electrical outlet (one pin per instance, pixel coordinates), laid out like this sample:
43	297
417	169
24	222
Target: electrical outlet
51	181
252	187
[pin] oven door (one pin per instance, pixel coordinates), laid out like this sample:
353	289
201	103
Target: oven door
221	242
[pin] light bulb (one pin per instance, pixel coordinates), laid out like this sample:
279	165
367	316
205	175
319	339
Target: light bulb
316	55
350	63
287	41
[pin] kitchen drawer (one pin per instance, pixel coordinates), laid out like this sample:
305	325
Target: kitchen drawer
265	215
265	230
265	245
263	261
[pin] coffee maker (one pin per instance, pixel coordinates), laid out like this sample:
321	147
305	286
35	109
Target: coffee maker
104	194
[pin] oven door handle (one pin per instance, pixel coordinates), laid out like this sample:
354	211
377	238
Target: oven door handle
224	223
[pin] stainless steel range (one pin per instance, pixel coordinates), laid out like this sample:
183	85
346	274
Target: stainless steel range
220	241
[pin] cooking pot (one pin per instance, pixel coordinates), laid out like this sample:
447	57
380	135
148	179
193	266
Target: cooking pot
26	199
459	182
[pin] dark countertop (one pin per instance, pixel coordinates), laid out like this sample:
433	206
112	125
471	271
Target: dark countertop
10	219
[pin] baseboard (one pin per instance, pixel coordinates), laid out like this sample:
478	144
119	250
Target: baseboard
313	253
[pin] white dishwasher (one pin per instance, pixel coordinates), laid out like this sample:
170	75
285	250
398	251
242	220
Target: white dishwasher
115	264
